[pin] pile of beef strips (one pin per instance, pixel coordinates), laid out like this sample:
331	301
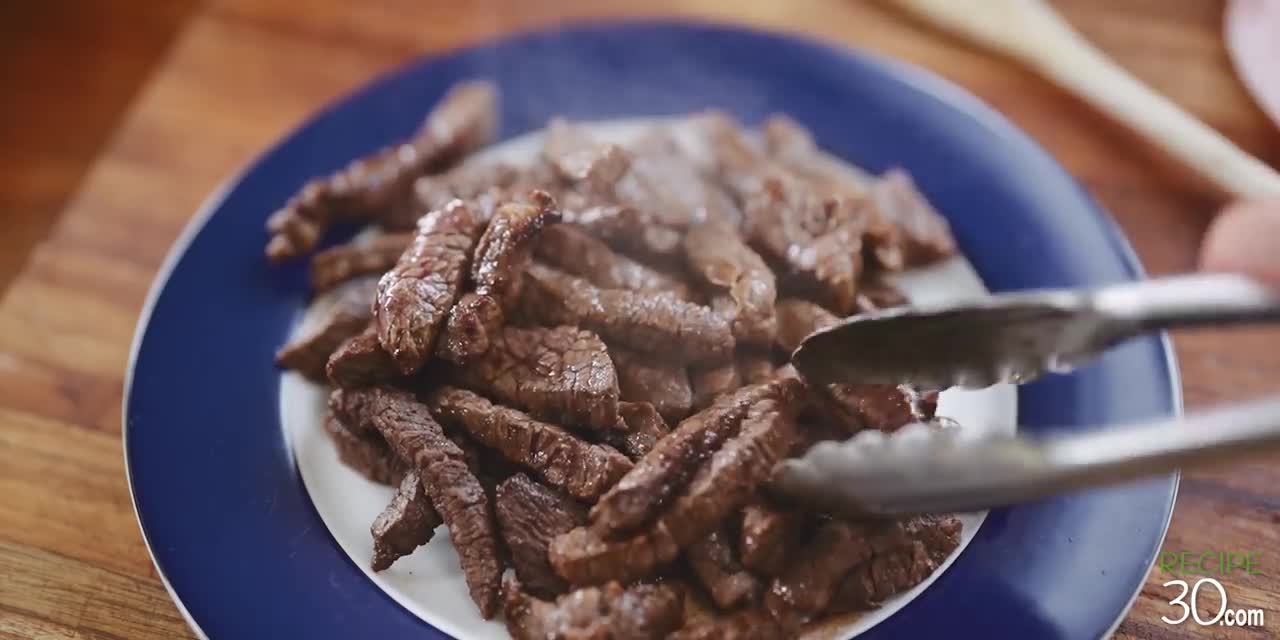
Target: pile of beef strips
579	366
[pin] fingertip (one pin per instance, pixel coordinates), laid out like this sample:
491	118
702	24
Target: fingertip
1244	238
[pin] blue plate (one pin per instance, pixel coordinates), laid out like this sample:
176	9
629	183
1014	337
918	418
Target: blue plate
219	499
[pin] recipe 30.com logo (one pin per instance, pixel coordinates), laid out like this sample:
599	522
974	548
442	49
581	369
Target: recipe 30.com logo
1194	575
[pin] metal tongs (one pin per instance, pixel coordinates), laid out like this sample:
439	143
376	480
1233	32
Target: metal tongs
1015	338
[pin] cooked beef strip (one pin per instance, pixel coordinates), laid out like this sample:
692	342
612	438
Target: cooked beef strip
404	525
785	138
333	318
660	325
608	612
582	469
503	251
844	552
811	232
816	241
360	361
666	181
464	119
923	234
575	251
712	559
709	383
869	584
876	406
359	257
578	157
939	533
792	147
729	269
639	496
662	384
751	624
754	367
415	296
582	556
530	514
732	475
725	483
855	406
485	184
767	535
644	428
739	160
367	453
501	255
806	586
561	374
469	328
454	490
798	318
623	227
877	293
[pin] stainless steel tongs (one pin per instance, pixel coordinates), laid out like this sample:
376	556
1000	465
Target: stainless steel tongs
1016	338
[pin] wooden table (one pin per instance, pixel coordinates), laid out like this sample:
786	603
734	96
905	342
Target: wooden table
240	75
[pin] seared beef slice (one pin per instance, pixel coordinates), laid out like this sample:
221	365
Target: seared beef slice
456	493
659	325
382	183
817	241
922	232
662	384
582	469
623	227
583	556
360	361
853	406
750	624
371	256
728	583
792	147
562	374
578	158
644	429
666	181
884	557
366	452
709	383
929	540
415	296
808	583
609	612
813	236
572	249
733	474
500	259
641	494
404	525
721	486
529	516
767	534
754	367
736	277
487	185
337	316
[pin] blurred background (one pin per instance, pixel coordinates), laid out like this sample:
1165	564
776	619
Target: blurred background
75	68
120	116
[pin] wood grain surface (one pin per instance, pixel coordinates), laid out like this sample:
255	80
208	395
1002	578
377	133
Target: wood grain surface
241	73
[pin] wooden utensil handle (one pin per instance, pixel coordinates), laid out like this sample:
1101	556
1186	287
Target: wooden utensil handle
1031	32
